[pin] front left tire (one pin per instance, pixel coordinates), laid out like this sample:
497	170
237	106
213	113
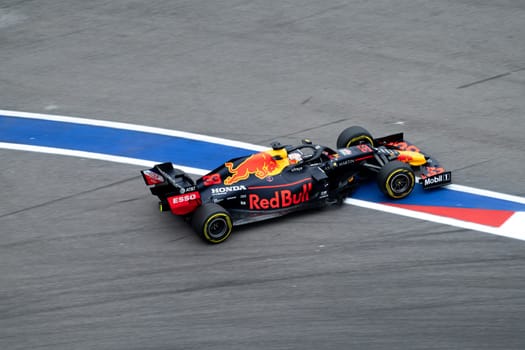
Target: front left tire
212	223
396	179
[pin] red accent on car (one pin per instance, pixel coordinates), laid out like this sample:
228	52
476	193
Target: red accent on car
431	171
363	158
404	146
280	199
403	157
186	203
278	186
365	148
212	179
152	178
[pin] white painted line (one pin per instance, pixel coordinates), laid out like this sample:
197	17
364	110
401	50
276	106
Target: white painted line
133	127
516	224
513	232
513	228
486	193
98	156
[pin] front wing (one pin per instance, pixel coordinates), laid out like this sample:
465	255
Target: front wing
431	174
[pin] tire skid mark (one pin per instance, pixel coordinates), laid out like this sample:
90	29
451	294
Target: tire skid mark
57	200
497	76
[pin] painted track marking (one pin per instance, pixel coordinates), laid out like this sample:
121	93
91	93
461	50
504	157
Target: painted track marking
121	142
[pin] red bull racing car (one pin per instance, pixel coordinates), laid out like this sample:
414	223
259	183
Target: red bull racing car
287	178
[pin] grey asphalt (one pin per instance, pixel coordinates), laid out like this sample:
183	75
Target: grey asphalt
87	261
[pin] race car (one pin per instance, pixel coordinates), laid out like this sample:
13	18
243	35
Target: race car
286	178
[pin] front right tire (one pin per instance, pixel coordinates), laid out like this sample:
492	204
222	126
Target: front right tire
353	136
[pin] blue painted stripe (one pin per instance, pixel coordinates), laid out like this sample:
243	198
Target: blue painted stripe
197	154
117	142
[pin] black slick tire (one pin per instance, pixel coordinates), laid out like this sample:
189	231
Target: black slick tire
212	223
354	135
396	179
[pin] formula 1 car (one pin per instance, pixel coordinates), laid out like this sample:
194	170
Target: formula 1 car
288	178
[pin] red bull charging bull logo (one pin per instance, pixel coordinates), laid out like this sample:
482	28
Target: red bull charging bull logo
261	165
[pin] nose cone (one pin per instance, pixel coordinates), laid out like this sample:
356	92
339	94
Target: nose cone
412	158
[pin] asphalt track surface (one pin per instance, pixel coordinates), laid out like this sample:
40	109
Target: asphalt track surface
87	262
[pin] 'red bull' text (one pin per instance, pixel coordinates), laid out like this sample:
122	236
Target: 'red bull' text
280	199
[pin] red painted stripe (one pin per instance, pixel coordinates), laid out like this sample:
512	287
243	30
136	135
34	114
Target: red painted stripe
488	217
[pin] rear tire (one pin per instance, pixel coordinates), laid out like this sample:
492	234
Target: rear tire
396	179
354	135
212	223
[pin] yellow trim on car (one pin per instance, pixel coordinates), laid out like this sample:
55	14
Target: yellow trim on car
228	223
405	193
359	138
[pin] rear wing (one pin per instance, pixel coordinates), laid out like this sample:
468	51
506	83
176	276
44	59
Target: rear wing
175	189
164	179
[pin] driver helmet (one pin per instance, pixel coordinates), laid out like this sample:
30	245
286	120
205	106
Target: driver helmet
294	157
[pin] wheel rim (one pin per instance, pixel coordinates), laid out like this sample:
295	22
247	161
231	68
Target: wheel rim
360	140
400	183
217	228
